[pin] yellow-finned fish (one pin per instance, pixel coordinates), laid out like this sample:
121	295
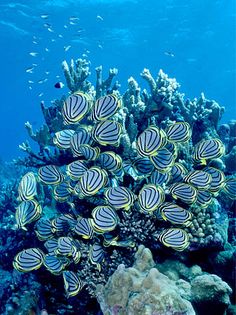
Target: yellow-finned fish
199	179
27	188
84	228
178	132
62	138
53	264
119	197
76	107
72	283
163	160
110	161
50	175
150	197
105	107
158	178
27	212
217	179
105	219
107	132
96	255
185	192
204	198
175	214
208	149
77	169
90	153
143	166
93	180
230	187
62	192
175	238
28	260
82	136
150	141
178	171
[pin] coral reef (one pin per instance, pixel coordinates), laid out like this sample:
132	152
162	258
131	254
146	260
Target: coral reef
73	151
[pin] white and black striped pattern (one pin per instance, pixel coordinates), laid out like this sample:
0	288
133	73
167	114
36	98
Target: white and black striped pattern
186	192
28	260
107	132
199	179
105	107
150	197
204	198
75	108
230	187
143	166
179	132
61	223
217	179
61	192
89	152
76	169
110	161
150	140
62	138
92	181
175	214
175	238
178	171
27	212
27	188
163	160
158	178
82	136
50	175
105	219
96	255
53	264
51	246
119	197
72	283
208	149
64	246
44	229
84	228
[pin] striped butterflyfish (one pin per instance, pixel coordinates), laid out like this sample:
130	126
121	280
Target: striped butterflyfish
77	169
90	153
158	178
96	255
93	180
175	238
107	132
72	283
199	179
150	141
110	161
50	175
105	219
163	160
84	228
53	264
44	229
105	107
170	146
76	254
178	132
61	223
143	166
150	197
51	246
175	214
218	179
230	187
82	136
27	212
185	192
208	149
27	188
62	138
28	260
204	198
61	192
178	171
119	197
64	247
75	108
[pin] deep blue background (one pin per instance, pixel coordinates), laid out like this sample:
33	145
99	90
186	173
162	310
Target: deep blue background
133	35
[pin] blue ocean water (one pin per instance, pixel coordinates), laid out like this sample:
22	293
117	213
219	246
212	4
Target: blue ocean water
192	40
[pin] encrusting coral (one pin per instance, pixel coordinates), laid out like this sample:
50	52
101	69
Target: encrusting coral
114	172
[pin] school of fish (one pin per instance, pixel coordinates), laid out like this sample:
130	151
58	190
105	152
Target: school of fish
98	171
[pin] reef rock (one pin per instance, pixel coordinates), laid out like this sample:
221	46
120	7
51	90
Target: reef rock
142	290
